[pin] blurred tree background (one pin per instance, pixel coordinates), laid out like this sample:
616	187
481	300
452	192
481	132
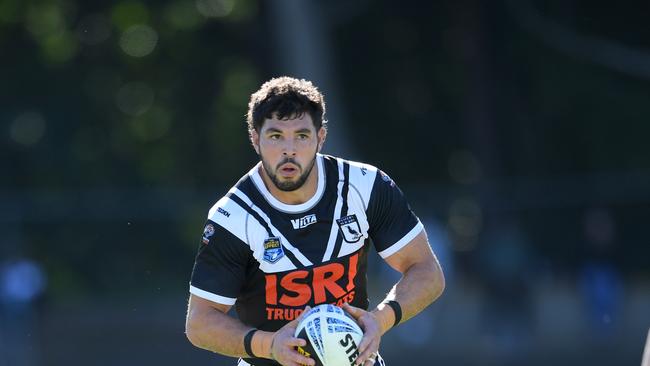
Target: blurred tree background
517	129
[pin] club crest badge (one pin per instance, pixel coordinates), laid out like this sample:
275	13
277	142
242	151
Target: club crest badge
207	233
350	228
273	250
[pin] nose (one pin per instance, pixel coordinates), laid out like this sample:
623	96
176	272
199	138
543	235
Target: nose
289	148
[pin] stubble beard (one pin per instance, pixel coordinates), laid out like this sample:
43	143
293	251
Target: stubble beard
288	185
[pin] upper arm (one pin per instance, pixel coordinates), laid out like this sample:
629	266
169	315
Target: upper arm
220	267
417	251
203	318
199	306
392	222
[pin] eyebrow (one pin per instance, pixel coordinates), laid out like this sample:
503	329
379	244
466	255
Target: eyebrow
272	130
276	130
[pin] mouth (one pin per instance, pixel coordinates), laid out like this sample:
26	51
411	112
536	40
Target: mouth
288	170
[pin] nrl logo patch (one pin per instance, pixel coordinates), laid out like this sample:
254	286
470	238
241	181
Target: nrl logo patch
350	228
207	233
273	250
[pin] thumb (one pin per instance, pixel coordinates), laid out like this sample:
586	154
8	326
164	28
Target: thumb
294	323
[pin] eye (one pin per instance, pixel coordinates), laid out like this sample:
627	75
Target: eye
275	136
303	136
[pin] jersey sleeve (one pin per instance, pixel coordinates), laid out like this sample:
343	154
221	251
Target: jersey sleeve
220	265
392	222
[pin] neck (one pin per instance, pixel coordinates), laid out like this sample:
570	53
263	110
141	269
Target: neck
298	196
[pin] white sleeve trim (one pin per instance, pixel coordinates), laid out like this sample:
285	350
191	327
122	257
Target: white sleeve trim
212	297
402	242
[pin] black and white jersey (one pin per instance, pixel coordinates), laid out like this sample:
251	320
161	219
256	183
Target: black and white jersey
271	259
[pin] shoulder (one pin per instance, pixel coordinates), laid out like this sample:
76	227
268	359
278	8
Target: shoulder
230	213
359	173
361	177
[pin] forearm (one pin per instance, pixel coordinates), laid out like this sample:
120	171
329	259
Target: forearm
420	285
218	332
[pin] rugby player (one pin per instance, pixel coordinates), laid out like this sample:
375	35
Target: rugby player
296	231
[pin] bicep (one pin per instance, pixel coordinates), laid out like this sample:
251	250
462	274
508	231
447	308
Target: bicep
199	313
416	251
198	305
208	326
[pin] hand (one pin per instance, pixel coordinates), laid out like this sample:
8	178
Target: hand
371	334
283	345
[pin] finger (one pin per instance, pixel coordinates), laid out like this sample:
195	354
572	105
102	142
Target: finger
369	337
354	311
290	363
305	311
302	360
363	345
363	356
368	341
370	361
296	342
289	356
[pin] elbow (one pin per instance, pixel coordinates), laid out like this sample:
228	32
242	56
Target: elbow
192	332
440	288
437	281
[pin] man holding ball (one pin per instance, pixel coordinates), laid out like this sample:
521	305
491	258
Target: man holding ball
295	232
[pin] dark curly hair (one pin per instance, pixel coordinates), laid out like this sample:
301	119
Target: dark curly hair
286	97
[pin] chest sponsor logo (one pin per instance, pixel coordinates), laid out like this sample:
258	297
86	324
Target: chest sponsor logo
207	233
286	294
303	221
350	228
273	250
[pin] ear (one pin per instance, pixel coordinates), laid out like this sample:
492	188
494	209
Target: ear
322	134
255	141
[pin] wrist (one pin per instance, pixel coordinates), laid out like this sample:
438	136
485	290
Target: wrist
385	317
261	344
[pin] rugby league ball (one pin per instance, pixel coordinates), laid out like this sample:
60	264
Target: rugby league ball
332	336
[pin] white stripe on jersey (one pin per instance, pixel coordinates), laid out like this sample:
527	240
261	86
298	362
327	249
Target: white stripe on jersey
363	176
285	243
365	205
212	297
249	231
402	242
337	214
234	225
362	179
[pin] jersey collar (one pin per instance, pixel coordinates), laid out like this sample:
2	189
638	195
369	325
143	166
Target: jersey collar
302	207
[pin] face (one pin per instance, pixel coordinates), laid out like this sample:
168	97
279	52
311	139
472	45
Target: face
288	150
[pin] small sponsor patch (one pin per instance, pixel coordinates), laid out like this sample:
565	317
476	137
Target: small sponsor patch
273	250
223	212
350	228
207	233
386	178
303	222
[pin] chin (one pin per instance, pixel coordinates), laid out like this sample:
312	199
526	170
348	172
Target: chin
288	186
